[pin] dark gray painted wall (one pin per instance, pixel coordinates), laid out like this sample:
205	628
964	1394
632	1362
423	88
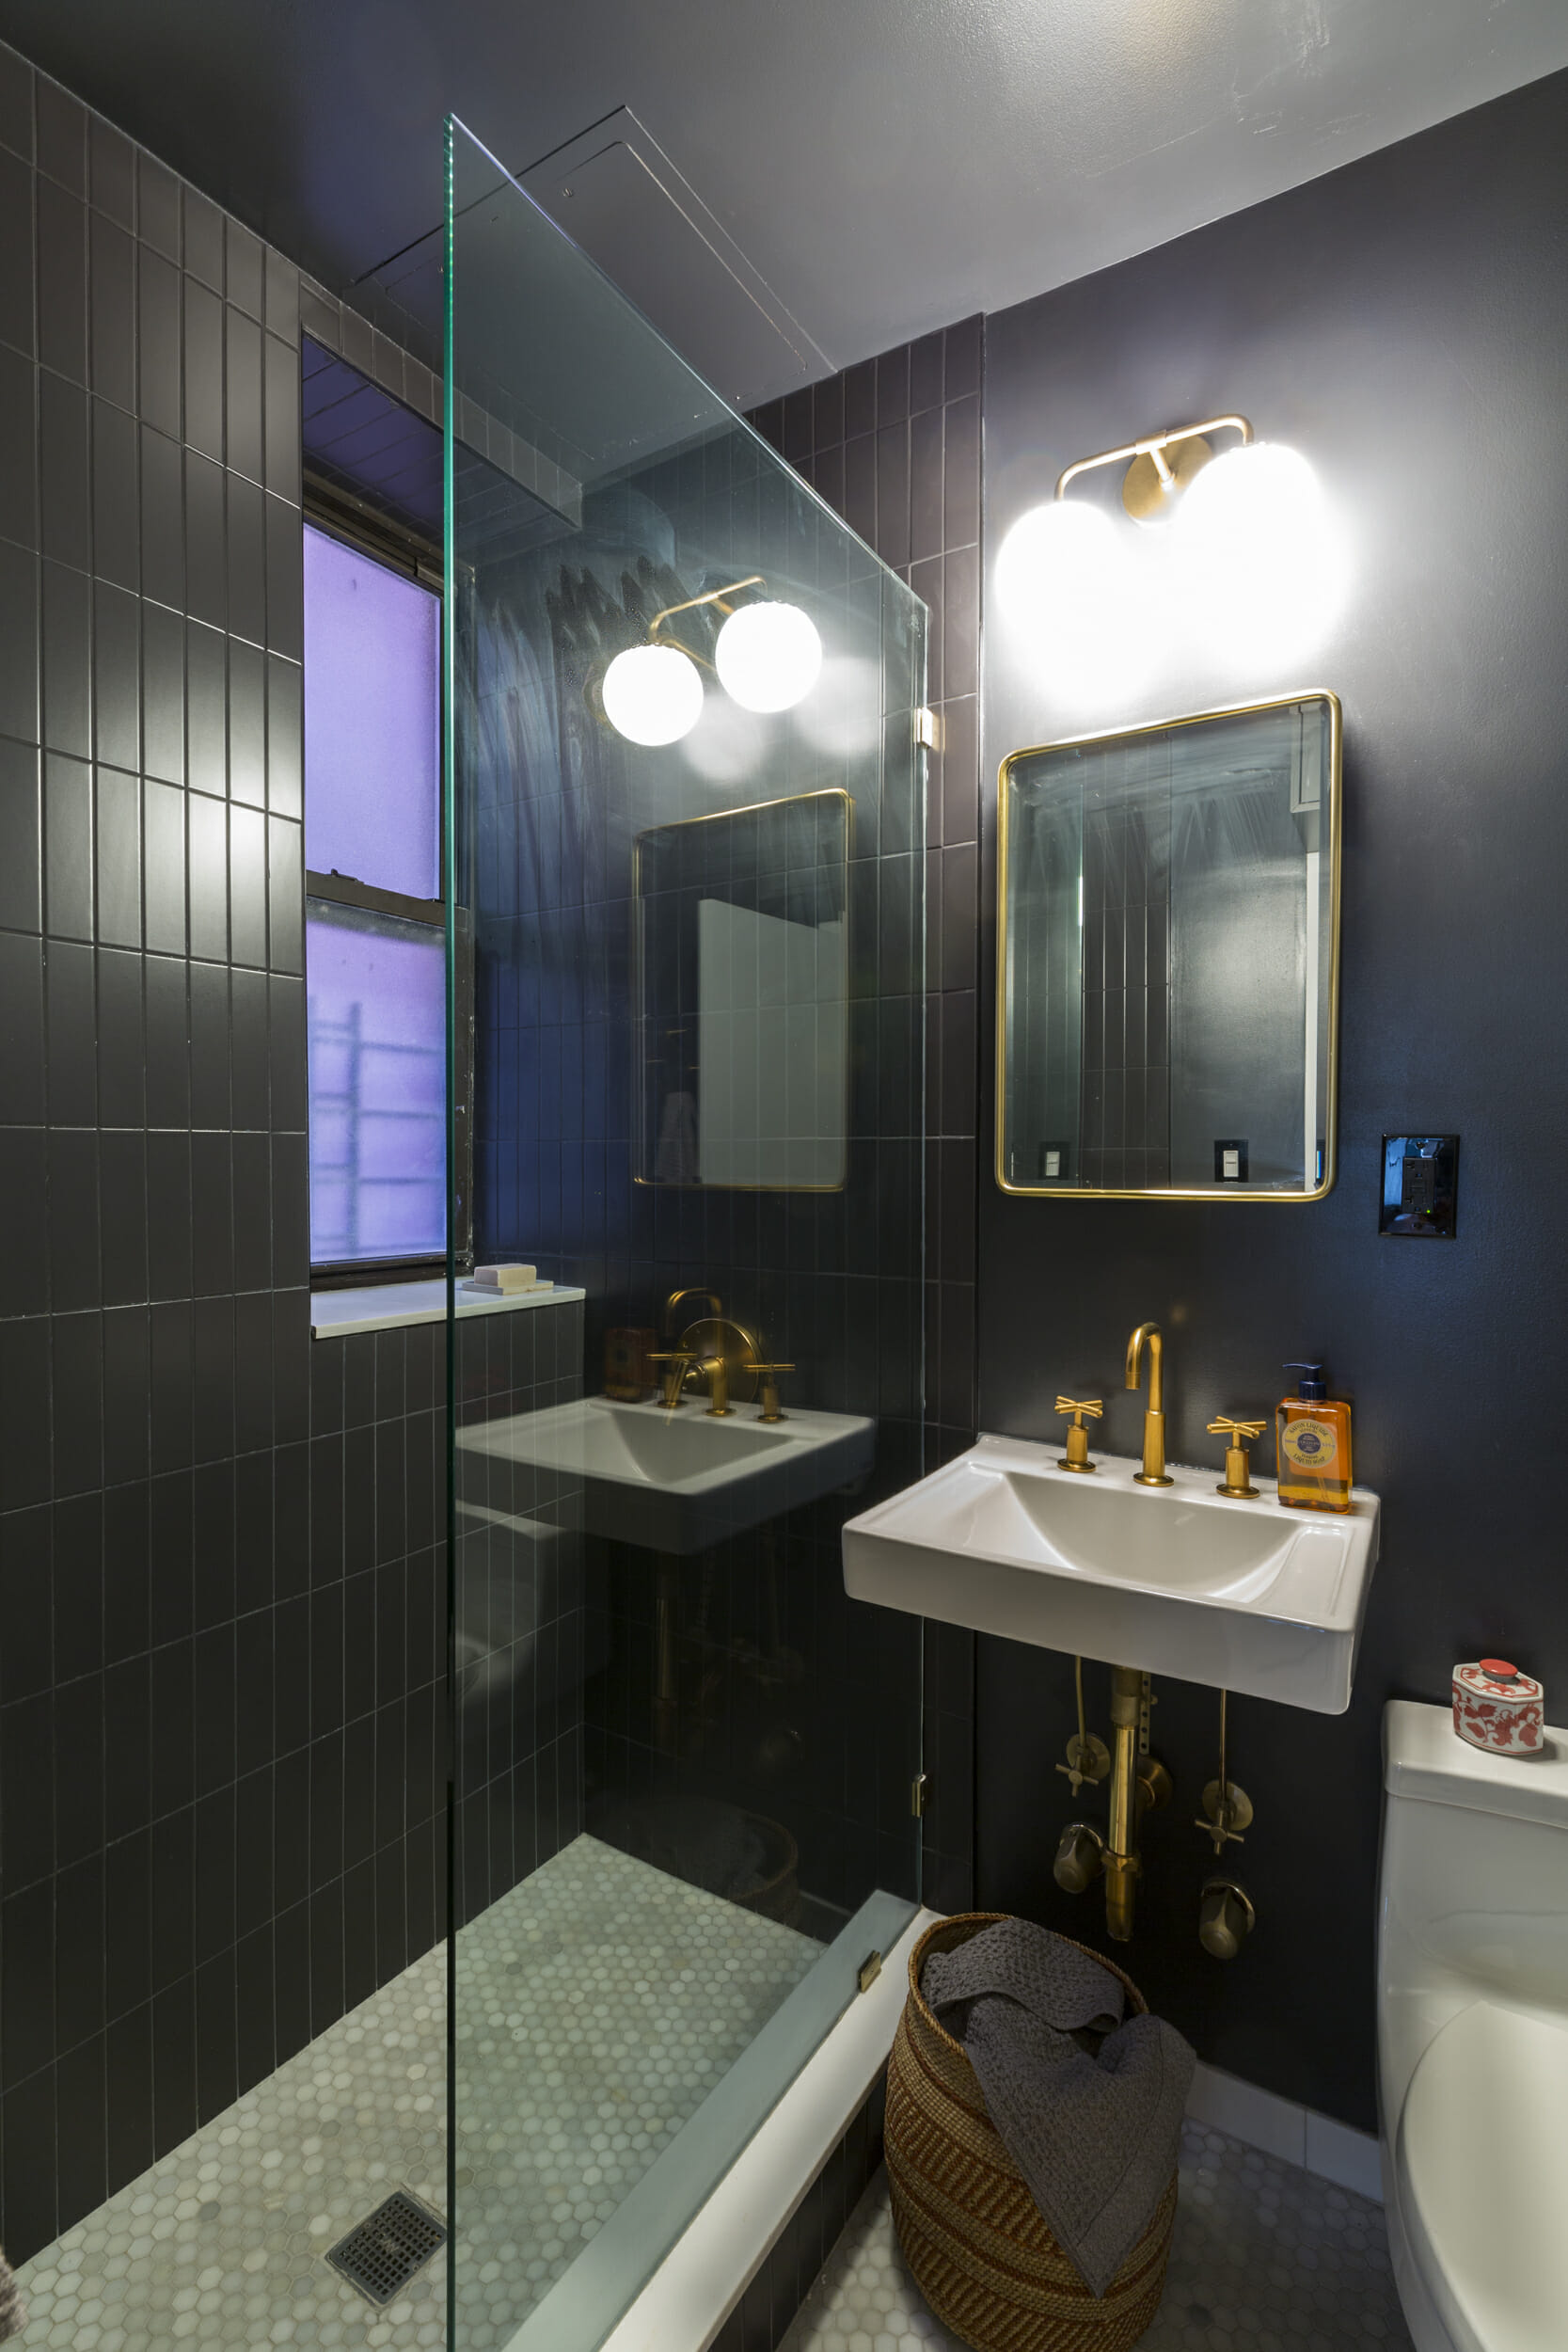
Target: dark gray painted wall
1404	322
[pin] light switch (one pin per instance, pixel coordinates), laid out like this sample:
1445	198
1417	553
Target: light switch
1230	1159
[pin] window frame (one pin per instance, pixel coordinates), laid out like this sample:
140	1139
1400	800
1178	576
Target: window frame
337	515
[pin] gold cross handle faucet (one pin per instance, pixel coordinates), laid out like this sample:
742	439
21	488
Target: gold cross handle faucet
768	1393
1148	1335
1077	1455
1238	1468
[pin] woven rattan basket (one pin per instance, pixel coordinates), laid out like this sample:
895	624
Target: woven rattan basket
973	2236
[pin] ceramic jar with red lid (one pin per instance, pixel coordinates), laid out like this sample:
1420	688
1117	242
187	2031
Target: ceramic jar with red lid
1498	1709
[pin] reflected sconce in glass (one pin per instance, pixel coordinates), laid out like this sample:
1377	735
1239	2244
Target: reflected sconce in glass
1235	551
768	657
652	695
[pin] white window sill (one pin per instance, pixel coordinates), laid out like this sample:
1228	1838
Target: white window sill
391	1306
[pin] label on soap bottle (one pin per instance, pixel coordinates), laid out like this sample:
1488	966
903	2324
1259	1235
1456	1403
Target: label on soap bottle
1310	1445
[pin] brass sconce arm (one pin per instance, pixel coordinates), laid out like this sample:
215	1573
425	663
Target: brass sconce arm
1153	446
712	595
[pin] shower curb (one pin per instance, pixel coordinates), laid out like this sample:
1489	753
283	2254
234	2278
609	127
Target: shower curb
702	2279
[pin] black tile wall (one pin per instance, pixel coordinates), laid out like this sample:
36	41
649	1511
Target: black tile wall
519	1733
222	1594
893	445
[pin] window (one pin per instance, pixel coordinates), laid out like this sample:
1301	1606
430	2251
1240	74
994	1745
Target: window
375	964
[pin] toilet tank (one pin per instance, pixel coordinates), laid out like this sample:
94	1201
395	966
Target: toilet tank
1473	1893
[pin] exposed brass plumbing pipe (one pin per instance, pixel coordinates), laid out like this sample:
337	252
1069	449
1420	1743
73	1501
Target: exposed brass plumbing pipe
1121	1846
1137	1782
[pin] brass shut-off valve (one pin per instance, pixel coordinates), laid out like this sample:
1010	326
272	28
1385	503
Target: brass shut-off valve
1077	1455
1225	1917
1080	1857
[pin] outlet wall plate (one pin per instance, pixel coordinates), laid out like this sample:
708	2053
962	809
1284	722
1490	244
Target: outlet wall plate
1420	1188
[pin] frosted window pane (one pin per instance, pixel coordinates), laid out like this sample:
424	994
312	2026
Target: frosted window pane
373	751
377	992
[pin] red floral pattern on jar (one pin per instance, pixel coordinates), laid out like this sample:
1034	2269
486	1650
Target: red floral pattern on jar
1505	1716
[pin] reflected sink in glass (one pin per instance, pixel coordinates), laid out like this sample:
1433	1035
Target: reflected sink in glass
1175	1580
669	1482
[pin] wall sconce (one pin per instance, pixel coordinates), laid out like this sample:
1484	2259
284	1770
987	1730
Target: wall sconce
1250	565
766	657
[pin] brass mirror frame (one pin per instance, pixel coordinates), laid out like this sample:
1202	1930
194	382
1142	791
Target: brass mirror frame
1331	1121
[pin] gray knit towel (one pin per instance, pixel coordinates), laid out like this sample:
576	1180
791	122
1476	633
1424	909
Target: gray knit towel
1093	2132
13	2310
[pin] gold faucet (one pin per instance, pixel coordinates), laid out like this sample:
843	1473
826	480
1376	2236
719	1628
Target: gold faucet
678	1362
715	1349
1077	1455
767	1394
1237	1468
1153	1472
1138	1781
715	1369
693	1290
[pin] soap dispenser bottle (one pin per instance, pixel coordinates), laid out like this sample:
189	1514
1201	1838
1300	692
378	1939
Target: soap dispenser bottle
1312	1445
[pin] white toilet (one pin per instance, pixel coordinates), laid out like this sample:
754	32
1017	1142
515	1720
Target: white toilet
1472	2028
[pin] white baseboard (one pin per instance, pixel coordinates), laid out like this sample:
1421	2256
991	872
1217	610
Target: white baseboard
1280	2127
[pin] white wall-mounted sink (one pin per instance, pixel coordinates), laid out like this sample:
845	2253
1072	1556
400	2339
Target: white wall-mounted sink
669	1482
1175	1580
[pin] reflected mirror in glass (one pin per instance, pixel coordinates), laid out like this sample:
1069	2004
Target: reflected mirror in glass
1168	941
743	1013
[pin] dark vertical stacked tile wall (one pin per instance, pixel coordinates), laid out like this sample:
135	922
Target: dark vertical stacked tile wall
518	1750
893	445
221	1620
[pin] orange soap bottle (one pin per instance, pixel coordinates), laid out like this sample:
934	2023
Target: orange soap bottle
1312	1445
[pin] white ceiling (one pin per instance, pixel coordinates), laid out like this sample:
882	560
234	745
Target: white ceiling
884	166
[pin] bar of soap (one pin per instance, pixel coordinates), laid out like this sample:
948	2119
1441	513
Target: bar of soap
508	1278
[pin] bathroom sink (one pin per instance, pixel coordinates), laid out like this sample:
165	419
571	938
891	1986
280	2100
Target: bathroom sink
669	1482
1175	1580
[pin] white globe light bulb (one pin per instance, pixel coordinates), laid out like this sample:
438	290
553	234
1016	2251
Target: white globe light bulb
1263	567
1076	599
767	656
653	694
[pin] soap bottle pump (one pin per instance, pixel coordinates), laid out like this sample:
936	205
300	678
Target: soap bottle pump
1312	1445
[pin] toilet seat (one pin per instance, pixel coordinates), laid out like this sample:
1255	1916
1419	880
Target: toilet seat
1481	2157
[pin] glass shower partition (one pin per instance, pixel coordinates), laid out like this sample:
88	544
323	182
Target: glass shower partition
684	860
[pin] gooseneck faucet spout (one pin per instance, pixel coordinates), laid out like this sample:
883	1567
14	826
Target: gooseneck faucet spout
1153	1472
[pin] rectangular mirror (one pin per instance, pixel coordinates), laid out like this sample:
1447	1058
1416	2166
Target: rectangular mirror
1168	934
743	975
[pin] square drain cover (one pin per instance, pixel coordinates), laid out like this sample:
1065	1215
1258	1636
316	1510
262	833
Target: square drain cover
383	2253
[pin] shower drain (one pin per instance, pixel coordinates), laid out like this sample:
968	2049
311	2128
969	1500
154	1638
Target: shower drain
383	2253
